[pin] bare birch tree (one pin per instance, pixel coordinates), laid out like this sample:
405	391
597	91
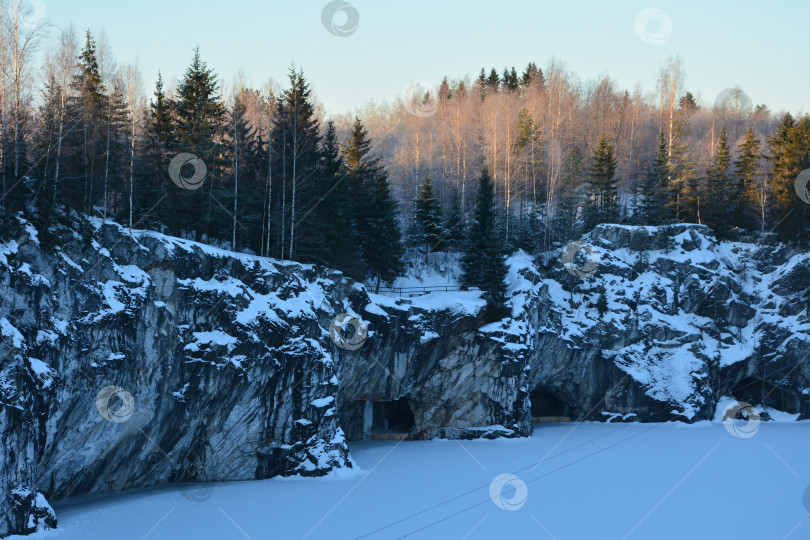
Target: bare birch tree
23	36
134	88
67	62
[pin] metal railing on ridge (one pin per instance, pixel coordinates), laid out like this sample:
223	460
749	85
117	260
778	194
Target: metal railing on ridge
417	291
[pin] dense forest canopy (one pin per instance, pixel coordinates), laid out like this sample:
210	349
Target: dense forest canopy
266	170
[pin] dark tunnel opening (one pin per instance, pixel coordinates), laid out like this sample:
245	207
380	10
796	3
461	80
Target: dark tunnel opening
389	417
758	392
547	405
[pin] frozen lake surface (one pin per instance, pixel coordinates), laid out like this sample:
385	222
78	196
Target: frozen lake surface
590	480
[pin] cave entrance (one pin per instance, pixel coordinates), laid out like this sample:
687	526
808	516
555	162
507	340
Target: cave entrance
388	419
752	391
547	407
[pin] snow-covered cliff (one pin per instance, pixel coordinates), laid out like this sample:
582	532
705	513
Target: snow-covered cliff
131	359
688	320
136	359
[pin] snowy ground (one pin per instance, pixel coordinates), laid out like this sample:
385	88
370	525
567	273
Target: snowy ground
587	480
442	268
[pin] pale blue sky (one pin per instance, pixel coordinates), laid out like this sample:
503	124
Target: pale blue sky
762	46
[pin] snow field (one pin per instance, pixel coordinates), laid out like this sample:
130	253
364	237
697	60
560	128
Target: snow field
571	481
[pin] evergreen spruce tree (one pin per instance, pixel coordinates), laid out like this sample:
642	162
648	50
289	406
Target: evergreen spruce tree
114	151
86	111
483	260
530	143
666	238
532	75
482	83
688	102
199	115
45	142
91	95
493	81
746	168
801	152
789	156
335	212
244	158
510	79
156	186
693	198
375	210
565	225
653	190
718	192
781	169
454	221
428	214
602	205
683	196
296	144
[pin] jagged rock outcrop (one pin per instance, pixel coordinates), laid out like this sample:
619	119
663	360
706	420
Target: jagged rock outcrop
458	381
688	320
135	360
132	359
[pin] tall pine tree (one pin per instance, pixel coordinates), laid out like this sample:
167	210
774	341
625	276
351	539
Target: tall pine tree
296	143
86	110
199	115
483	260
245	165
653	210
683	187
335	211
156	191
375	210
718	189
454	221
602	206
789	156
744	191
428	214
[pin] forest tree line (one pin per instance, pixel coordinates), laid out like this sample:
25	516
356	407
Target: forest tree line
566	155
79	137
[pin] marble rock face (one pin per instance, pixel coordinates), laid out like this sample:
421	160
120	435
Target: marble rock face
132	359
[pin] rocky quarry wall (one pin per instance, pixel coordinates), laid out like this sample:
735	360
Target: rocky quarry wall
131	359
